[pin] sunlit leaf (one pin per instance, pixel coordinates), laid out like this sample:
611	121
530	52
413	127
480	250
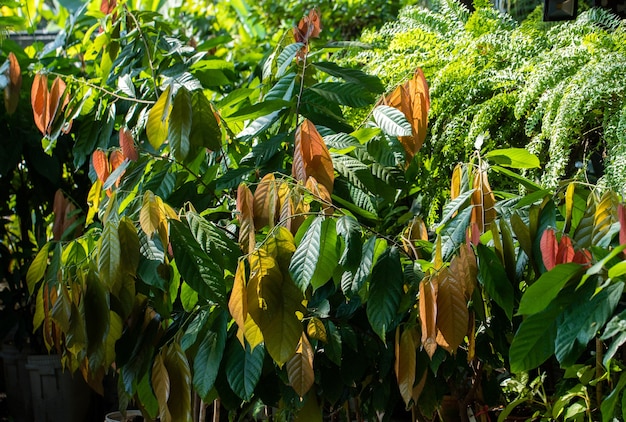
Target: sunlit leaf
127	144
238	301
109	255
316	330
245	204
158	120
37	268
300	368
266	202
452	312
101	165
179	128
518	158
539	294
311	157
391	121
39	101
428	313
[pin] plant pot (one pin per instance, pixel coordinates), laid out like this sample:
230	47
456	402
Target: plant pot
17	383
56	394
131	415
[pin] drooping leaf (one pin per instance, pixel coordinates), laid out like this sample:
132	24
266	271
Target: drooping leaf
350	230
37	268
96	318
405	362
300	368
317	255
209	356
161	386
370	83
101	165
151	214
243	368
179	402
452	312
109	255
493	277
12	90
609	403
245	207
179	126
539	294
238	301
311	157
344	93
605	222
316	330
205	129
428	313
266	202
39	101
385	292
198	269
158	120
549	248
483	200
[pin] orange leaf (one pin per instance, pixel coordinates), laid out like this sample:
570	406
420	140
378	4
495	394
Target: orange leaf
238	303
405	363
452	312
582	257
483	200
56	102
300	367
321	193
101	165
128	144
565	252
12	90
428	313
107	6
309	26
266	202
311	157
549	248
116	159
39	101
464	267
621	215
245	201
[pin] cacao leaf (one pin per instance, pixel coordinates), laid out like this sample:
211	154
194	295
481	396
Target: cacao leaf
39	101
243	369
101	165
179	126
12	90
245	204
311	157
549	248
238	301
428	313
179	402
158	120
405	362
385	292
127	144
266	202
300	368
452	312
161	387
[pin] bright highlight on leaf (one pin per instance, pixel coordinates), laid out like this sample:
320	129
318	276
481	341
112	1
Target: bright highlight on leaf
311	157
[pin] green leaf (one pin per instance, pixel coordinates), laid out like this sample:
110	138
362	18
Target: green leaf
385	292
492	276
369	82
333	347
205	130
199	270
96	319
129	243
344	93
610	402
257	110
350	230
392	121
518	158
453	233
317	255
209	356
452	207
158	117
580	322
527	183
179	127
547	287
285	58
214	241
243	368
37	268
109	255
283	89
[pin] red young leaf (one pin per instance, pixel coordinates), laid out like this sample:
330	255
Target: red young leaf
39	101
549	248
565	252
117	158
101	165
582	257
57	100
107	6
309	26
128	144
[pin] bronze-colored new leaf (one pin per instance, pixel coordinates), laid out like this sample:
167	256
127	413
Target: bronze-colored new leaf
452	312
101	165
413	100
245	204
266	202
428	313
405	362
39	101
464	267
57	100
311	157
127	144
483	201
300	367
12	90
309	26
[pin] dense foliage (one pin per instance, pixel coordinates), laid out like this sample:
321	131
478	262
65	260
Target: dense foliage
228	226
549	87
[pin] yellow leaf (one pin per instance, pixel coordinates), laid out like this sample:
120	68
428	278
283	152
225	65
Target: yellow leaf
280	245
419	387
300	368
266	202
179	402
452	312
252	333
158	119
245	205
428	313
455	186
151	214
315	329
238	302
406	353
605	216
161	387
464	268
